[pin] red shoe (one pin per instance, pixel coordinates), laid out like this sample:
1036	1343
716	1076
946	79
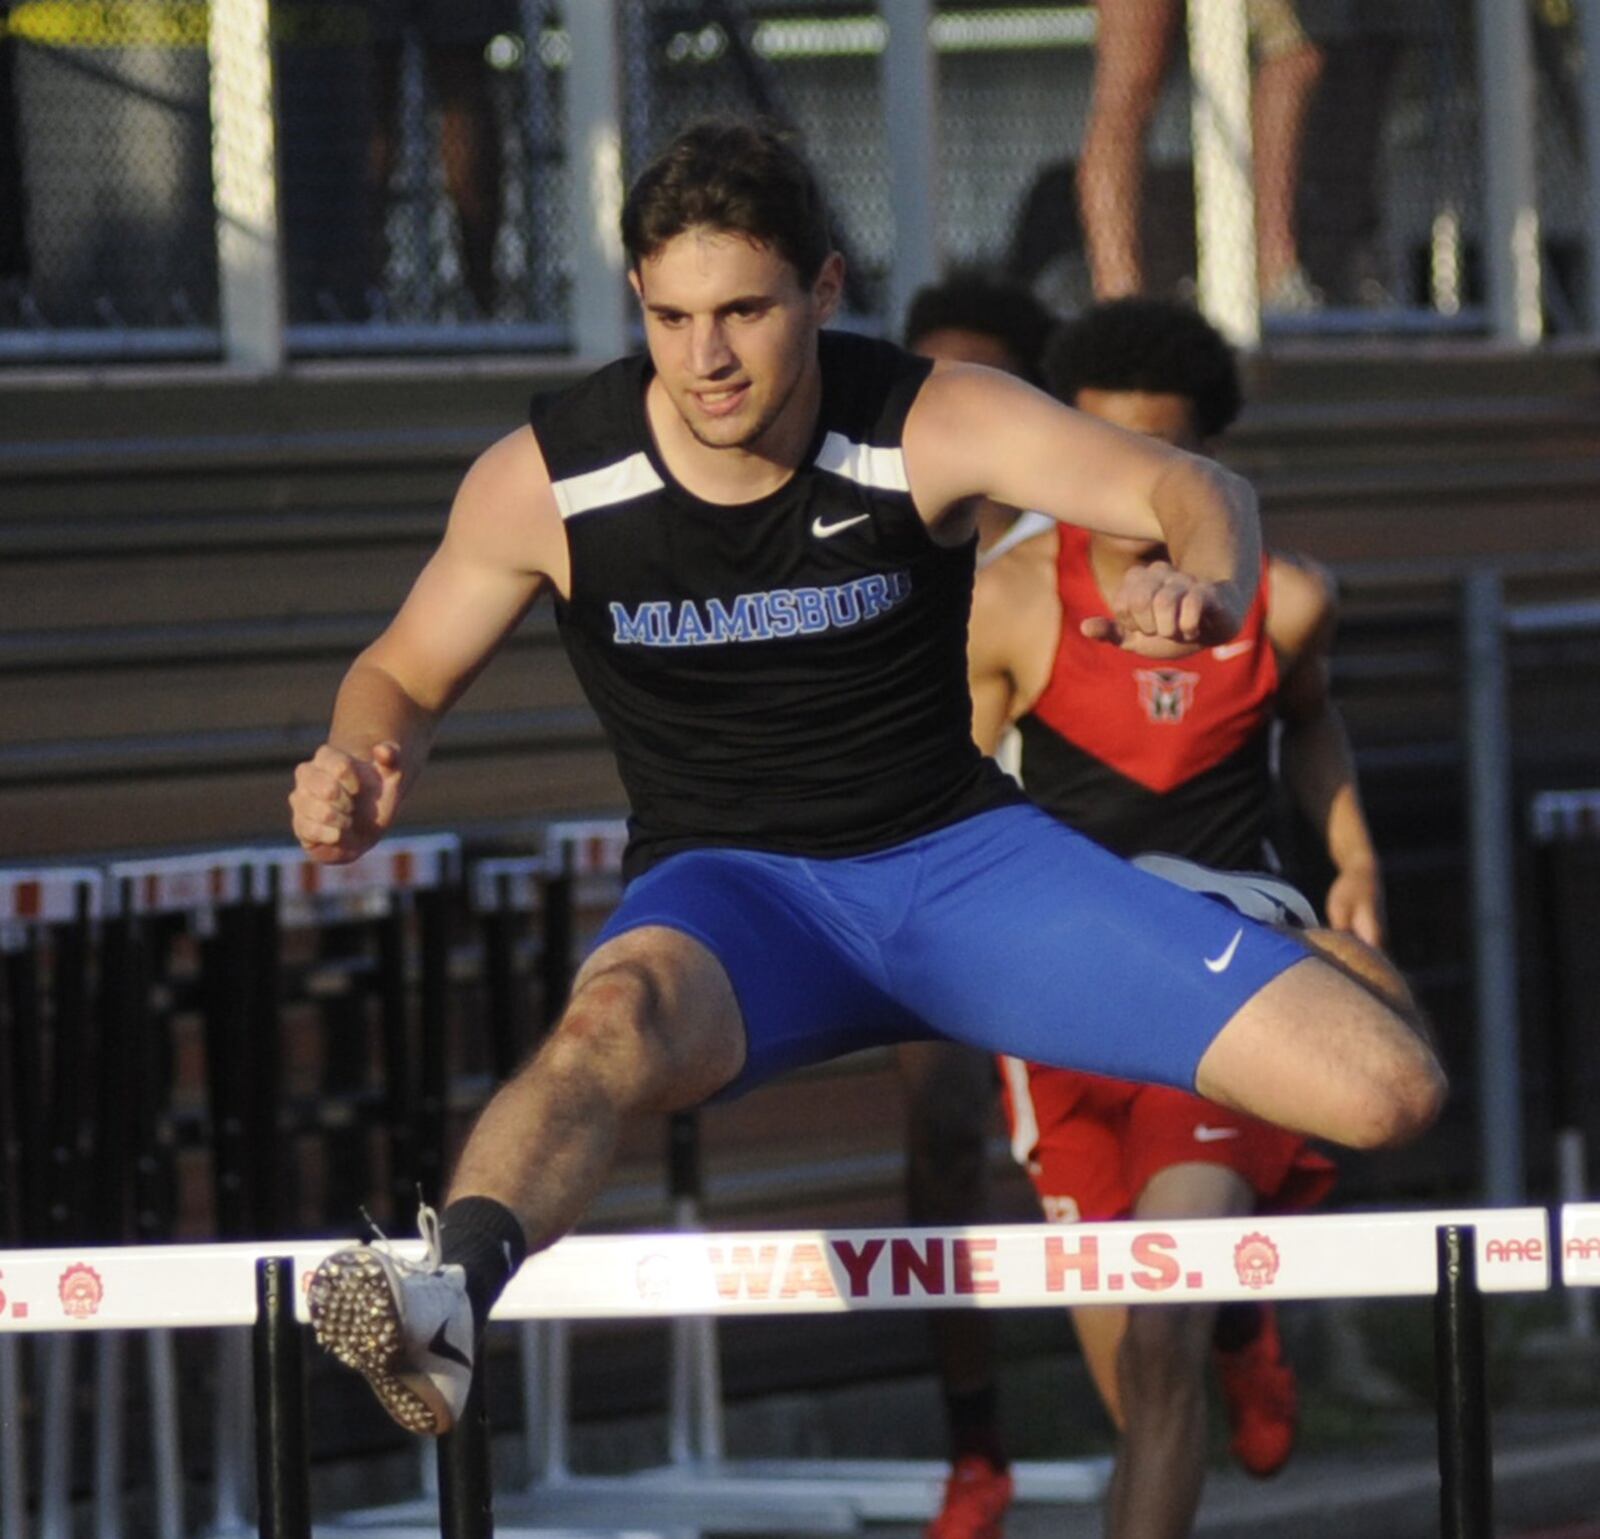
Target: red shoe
1258	1389
975	1500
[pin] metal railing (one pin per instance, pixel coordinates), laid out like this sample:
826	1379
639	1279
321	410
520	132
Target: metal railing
580	104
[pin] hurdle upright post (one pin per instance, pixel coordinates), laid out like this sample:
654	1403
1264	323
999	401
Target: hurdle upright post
1466	1487
283	1479
466	1486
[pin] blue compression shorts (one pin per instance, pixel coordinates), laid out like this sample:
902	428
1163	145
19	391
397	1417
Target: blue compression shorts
1006	931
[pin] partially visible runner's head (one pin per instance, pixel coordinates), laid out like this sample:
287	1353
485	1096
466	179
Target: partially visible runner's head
1148	365
732	177
978	317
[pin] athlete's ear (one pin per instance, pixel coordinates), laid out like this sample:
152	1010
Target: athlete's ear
828	289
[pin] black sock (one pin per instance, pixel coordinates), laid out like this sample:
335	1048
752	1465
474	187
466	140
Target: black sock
485	1238
974	1422
1237	1326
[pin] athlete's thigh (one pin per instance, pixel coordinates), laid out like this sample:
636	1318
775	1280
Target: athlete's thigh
798	975
1169	1130
1029	939
1194	1190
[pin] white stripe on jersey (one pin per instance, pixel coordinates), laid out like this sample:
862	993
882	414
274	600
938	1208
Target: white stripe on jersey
622	481
883	469
1028	525
1024	1120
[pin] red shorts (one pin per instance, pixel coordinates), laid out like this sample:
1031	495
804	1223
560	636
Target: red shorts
1091	1145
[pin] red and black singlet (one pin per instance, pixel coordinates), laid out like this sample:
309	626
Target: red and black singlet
1141	754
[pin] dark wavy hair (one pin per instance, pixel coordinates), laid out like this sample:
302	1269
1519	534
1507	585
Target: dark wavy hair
746	178
971	299
1152	345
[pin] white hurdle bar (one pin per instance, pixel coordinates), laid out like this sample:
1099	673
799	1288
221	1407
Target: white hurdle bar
1388	1255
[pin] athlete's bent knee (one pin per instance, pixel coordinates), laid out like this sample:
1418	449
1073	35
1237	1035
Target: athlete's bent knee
1406	1105
613	1025
657	1049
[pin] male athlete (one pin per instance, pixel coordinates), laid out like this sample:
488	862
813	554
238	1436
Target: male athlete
969	317
758	537
1172	755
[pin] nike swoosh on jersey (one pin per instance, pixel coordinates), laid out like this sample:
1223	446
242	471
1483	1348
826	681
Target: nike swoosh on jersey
1232	649
1222	963
1209	1135
827	531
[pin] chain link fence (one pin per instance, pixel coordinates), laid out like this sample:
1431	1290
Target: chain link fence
107	222
811	67
420	151
425	199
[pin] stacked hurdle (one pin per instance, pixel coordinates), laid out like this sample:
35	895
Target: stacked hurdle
47	919
371	902
1453	1257
1558	821
86	969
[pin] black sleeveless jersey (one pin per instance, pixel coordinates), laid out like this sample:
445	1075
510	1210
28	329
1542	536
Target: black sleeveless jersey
787	674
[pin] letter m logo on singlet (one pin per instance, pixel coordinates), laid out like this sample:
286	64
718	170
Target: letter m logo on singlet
1166	693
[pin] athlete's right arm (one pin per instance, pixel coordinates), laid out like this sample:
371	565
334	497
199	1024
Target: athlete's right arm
503	544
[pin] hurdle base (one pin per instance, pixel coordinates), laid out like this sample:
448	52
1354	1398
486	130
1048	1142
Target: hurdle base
903	1490
670	1500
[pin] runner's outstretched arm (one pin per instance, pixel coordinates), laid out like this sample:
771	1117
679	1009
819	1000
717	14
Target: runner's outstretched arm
501	546
974	432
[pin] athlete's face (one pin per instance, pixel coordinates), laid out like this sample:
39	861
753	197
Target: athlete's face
733	333
1155	413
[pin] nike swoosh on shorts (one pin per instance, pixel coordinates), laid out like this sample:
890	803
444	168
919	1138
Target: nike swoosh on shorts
1225	961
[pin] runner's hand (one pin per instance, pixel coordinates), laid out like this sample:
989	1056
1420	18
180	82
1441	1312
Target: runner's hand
342	805
1355	903
1159	611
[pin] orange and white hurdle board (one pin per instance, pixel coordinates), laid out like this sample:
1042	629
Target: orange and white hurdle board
586	847
178	884
50	894
310	891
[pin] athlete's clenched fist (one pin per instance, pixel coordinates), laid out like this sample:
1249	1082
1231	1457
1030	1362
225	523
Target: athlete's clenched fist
343	805
1160	611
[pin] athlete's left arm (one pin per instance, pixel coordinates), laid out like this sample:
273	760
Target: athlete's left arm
994	640
974	432
1318	765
